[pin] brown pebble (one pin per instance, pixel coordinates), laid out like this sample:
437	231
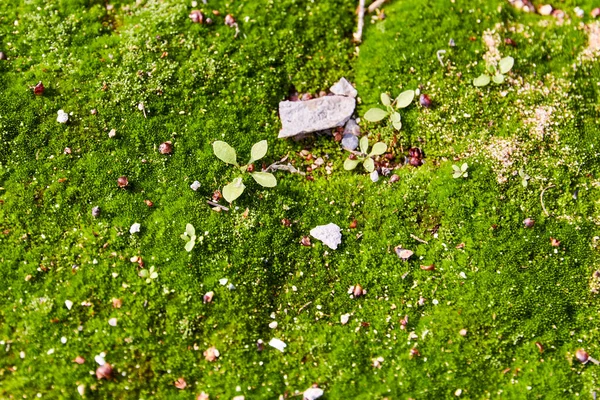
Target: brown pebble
104	371
305	241
196	16
165	148
123	182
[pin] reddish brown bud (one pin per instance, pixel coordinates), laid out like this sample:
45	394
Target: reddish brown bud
165	148
38	89
104	371
123	182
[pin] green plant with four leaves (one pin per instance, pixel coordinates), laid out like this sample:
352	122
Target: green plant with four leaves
227	154
402	101
460	172
149	274
494	74
365	158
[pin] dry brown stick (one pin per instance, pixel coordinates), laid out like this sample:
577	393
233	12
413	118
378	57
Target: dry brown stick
542	199
418	239
361	21
375	5
212	203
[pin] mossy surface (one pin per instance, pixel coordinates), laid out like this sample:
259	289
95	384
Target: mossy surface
506	285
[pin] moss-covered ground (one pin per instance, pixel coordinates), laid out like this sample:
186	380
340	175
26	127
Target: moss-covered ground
506	285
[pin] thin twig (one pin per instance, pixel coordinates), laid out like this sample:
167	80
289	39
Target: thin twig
542	199
361	21
439	56
212	203
304	306
375	5
418	239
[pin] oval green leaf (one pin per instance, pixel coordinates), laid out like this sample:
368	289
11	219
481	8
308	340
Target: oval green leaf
498	79
481	80
395	117
233	190
265	179
397	125
190	245
364	144
506	64
405	98
378	149
350	164
189	229
224	152
259	150
369	165
375	115
385	99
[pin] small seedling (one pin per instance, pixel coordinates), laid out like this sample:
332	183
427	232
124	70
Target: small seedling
460	172
190	236
366	158
495	74
227	154
402	101
524	177
149	274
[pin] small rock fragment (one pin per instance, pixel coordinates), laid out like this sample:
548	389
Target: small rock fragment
180	383
329	234
595	12
135	228
104	371
404	254
79	360
96	212
195	186
211	354
63	117
81	390
196	16
313	393
273	325
343	88
528	223
112	133
112	322
277	344
344	318
374	176
350	142
299	117
207	298
546	9
2	56
462	332
68	304
38	90
352	128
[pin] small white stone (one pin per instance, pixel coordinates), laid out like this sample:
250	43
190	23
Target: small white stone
112	133
22	355
374	176
112	322
329	234
81	390
50	352
135	228
463	275
195	186
344	319
223	281
313	393
343	88
100	359
68	304
231	286
278	344
63	340
273	325
63	117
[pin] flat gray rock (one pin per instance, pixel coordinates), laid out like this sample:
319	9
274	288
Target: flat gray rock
330	235
350	142
299	117
343	88
352	128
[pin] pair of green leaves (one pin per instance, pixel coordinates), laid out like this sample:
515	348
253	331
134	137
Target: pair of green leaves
402	101
495	75
227	154
378	149
189	236
524	177
460	172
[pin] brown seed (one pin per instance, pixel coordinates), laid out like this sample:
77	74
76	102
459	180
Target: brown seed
38	89
196	16
123	182
104	371
250	168
165	148
79	360
148	203
217	195
394	178
540	347
353	224
67	150
117	303
510	42
337	137
180	383
428	267
286	222
582	356
305	241
528	223
229	20
414	353
554	242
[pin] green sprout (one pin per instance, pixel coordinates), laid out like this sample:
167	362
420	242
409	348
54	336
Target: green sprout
495	74
524	177
227	154
366	158
190	236
402	101
149	274
460	172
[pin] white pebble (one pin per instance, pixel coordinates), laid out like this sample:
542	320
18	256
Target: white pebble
463	275
22	355
81	390
63	340
344	319
223	281
273	325
51	351
100	359
278	344
195	186
63	117
68	304
313	393
135	228
112	322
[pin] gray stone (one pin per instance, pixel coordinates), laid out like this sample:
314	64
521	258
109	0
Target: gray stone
374	176
352	128
299	117
350	142
343	88
330	235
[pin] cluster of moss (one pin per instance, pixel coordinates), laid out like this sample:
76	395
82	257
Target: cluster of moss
506	285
